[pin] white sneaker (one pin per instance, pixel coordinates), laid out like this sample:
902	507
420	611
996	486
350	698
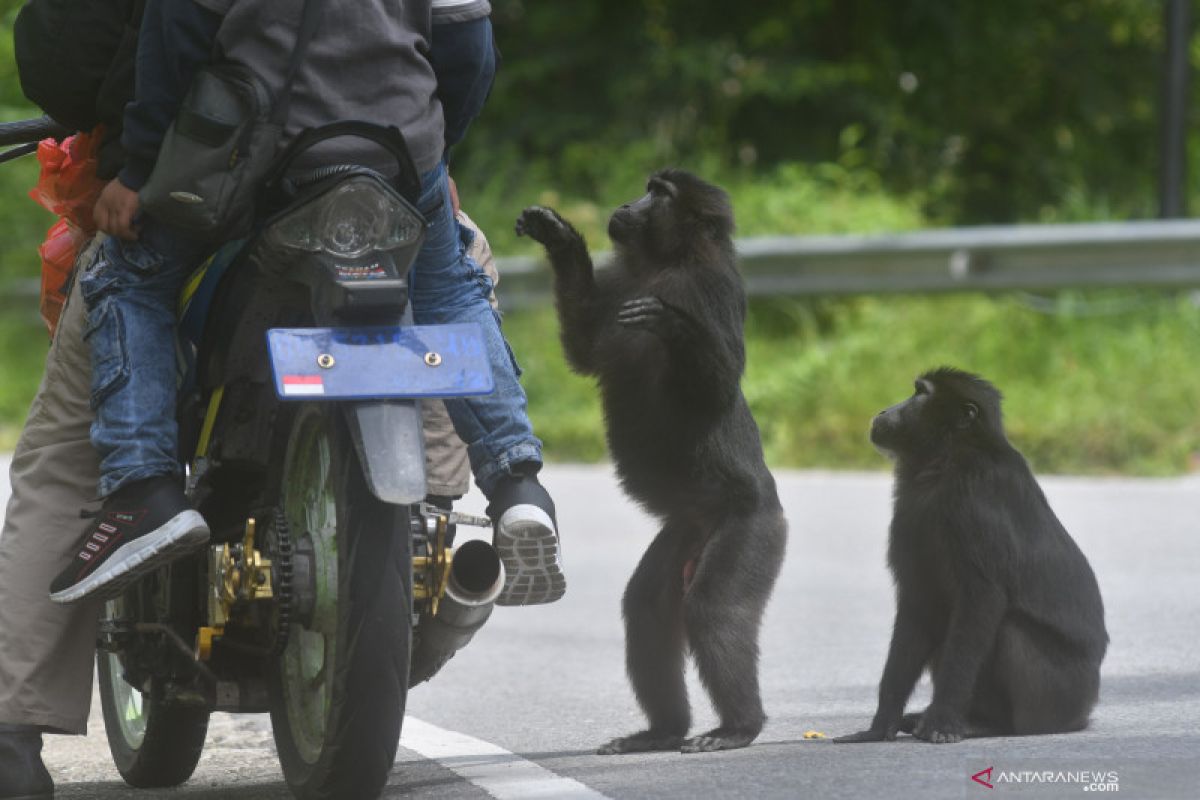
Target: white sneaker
526	537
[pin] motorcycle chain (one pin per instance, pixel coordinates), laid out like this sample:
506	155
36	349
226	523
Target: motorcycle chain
281	560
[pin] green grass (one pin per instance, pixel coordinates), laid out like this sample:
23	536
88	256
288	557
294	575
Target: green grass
1084	394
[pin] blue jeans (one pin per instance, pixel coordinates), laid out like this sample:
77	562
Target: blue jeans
447	286
131	290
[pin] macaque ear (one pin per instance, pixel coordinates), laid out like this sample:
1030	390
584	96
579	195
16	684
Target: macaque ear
662	186
717	226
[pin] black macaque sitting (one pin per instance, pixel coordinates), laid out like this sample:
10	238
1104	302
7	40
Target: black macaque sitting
661	330
992	595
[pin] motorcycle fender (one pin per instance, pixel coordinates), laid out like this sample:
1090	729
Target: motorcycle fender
391	448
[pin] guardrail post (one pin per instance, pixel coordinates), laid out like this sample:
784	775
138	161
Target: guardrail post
1172	186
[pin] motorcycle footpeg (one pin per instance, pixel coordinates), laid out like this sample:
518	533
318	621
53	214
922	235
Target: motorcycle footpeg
455	517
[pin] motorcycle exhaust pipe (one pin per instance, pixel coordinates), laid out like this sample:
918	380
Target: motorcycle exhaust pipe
476	578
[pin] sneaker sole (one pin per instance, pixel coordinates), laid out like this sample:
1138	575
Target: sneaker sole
183	533
528	546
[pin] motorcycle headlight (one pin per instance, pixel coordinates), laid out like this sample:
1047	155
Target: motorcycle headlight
355	217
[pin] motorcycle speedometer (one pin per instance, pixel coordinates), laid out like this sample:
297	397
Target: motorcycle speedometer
353	219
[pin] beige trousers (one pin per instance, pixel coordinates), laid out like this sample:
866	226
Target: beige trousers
46	649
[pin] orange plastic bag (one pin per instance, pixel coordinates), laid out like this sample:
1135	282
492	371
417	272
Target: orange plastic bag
59	251
68	187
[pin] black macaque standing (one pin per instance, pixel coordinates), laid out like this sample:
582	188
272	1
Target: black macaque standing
661	330
992	594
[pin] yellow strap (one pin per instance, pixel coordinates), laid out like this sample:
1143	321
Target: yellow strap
210	418
192	285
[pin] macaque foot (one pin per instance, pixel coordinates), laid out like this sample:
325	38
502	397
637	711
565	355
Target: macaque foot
940	728
719	739
910	721
642	742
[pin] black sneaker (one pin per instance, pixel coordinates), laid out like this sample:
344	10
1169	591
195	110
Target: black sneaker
138	529
23	776
526	537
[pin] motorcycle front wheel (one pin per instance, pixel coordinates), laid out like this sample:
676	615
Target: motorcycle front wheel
338	690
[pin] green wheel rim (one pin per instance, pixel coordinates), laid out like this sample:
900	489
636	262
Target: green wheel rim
307	663
130	705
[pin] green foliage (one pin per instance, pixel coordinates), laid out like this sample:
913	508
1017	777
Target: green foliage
790	198
23	223
10	90
993	111
23	346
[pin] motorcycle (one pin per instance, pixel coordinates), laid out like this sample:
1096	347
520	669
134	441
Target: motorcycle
329	587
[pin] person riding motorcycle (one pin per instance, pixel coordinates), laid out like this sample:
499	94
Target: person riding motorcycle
506	475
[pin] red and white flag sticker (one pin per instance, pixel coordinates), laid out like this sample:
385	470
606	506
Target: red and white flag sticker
303	384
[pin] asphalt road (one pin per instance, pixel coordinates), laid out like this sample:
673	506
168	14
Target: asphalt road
540	688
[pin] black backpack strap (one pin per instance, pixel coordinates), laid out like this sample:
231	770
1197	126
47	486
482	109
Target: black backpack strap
310	17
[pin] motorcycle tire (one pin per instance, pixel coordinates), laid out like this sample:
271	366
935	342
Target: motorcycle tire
337	692
153	744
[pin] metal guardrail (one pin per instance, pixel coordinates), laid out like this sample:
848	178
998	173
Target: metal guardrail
993	258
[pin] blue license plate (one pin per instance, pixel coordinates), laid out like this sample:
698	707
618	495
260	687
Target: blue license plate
379	362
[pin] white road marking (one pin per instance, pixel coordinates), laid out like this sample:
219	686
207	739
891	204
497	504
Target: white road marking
501	774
